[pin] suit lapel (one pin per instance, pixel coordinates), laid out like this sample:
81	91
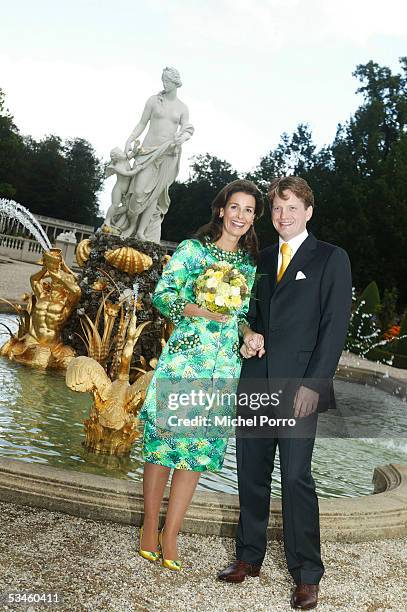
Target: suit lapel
267	280
272	270
270	287
301	257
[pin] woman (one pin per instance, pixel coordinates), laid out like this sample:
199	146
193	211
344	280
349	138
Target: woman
212	353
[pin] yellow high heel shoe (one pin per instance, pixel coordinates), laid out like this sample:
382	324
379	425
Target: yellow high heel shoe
170	564
150	555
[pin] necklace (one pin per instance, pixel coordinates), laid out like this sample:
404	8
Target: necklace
229	256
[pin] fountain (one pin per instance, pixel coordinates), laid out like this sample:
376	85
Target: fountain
89	325
12	210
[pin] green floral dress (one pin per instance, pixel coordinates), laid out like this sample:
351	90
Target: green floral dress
197	350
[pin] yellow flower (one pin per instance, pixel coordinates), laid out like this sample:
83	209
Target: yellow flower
223	289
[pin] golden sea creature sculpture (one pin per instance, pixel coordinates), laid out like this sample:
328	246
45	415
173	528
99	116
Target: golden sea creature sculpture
112	425
99	347
100	284
129	260
55	294
82	252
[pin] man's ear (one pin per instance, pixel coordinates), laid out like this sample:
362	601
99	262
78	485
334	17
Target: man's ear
308	212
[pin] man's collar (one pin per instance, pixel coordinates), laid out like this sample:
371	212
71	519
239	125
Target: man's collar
295	242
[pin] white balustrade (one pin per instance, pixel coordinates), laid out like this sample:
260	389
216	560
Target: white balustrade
22	249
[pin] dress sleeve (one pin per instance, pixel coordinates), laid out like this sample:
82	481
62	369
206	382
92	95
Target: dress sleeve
167	298
242	315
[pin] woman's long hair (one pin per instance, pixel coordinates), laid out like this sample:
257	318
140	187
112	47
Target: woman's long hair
213	230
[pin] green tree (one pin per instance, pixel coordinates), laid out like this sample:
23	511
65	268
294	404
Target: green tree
213	171
370	155
41	183
11	149
49	177
190	201
294	155
84	179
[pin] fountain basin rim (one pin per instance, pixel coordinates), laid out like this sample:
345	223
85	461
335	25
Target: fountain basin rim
378	516
358	519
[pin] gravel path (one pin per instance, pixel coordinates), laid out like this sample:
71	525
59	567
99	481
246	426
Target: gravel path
95	566
15	278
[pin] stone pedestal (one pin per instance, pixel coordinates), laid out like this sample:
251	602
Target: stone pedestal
68	250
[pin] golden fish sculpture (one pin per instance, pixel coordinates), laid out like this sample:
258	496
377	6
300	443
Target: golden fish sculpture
129	260
112	425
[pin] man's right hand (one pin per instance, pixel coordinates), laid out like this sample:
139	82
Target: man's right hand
253	343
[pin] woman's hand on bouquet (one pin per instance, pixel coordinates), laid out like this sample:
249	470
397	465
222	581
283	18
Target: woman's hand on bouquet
193	310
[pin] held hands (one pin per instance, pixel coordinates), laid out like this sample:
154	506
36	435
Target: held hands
305	402
253	344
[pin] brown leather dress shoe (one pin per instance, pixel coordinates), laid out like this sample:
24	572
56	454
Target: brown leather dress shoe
238	571
305	597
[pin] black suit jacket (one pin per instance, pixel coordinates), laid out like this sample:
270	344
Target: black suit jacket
304	322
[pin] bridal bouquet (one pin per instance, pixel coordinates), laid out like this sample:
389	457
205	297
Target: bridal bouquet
221	288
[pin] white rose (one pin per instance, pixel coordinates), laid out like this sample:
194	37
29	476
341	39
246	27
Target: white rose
211	282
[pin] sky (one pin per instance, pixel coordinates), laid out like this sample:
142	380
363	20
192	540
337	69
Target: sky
251	70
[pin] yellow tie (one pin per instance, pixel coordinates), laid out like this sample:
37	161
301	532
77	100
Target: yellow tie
286	254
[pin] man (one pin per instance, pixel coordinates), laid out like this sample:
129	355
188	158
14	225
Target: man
298	324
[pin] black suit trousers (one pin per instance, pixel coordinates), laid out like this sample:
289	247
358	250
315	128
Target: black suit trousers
255	464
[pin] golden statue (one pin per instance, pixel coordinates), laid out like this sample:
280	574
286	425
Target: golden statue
112	425
55	294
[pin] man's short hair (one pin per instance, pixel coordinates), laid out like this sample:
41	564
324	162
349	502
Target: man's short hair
296	184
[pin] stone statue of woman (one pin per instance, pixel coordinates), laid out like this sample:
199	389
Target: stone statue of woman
156	162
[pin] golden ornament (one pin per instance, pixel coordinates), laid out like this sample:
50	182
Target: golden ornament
83	252
128	260
99	285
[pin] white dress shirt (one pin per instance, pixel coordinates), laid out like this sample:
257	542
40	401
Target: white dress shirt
293	243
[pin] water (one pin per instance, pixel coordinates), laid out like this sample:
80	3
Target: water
13	210
41	421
